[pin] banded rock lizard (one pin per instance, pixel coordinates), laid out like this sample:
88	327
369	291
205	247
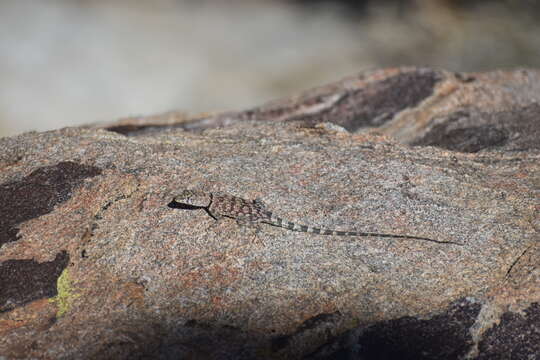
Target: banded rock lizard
220	205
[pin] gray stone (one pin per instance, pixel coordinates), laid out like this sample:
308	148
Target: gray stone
139	278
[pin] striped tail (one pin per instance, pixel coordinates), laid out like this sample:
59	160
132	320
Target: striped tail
289	225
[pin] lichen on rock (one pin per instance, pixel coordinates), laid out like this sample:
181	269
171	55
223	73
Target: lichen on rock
66	294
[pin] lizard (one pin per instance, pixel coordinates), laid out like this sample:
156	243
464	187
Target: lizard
221	205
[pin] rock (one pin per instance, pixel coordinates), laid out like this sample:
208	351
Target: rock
454	111
96	261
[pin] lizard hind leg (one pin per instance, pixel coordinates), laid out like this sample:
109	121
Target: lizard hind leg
259	203
249	228
218	220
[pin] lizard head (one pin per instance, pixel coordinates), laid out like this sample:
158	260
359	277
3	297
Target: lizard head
193	198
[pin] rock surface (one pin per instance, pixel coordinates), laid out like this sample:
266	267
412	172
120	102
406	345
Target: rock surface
97	262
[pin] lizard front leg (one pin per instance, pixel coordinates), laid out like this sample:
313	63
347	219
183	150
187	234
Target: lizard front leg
214	215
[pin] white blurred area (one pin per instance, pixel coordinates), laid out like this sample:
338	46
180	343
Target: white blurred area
70	62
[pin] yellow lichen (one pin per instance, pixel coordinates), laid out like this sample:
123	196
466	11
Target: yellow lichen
66	294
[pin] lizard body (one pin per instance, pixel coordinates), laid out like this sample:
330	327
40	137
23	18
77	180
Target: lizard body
219	205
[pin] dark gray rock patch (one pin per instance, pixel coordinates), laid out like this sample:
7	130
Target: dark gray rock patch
471	139
515	337
444	336
379	102
37	194
22	281
469	131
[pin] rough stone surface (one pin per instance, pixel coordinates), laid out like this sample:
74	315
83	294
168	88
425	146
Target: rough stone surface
522	328
455	111
89	209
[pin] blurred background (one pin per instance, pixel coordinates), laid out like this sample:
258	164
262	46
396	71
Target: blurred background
69	62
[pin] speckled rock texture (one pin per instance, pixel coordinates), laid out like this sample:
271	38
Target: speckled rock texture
97	262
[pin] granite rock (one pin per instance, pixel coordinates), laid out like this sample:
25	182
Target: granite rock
96	261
